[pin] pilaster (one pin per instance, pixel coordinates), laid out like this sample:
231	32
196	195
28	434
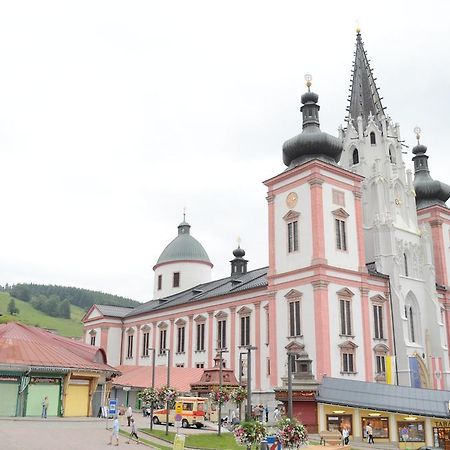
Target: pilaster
322	330
317	231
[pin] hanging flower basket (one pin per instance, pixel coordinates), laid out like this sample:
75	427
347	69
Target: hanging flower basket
167	394
219	396
249	433
238	395
149	396
291	433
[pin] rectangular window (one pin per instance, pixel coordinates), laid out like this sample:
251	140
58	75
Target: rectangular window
380	426
341	236
162	341
180	340
267	366
411	431
200	337
378	321
93	339
145	343
200	365
294	318
381	364
346	322
176	279
179	365
267	327
245	330
130	346
347	363
159	282
222	333
292	236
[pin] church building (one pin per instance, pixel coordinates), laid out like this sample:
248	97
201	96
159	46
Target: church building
356	286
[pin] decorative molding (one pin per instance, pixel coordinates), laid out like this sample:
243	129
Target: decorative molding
244	311
381	349
200	318
294	347
320	284
270	198
180	322
340	212
291	215
92	332
130	330
162	325
357	194
316	181
221	315
348	345
145	328
378	299
345	292
293	294
364	291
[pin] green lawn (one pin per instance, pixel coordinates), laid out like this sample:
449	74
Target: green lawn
28	315
146	441
201	440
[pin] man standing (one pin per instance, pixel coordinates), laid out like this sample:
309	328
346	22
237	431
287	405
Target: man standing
44	408
115	431
128	414
276	414
369	432
133	433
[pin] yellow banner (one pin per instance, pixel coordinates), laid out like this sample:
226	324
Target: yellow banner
389	368
178	443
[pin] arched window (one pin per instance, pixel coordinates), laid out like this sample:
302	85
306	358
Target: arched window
372	138
405	264
392	154
411	333
355	156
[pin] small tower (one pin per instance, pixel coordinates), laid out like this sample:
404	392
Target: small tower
183	264
238	264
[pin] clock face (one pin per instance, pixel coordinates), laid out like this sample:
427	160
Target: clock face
291	199
398	202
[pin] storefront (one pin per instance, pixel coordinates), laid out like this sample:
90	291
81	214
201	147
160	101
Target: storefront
39	388
407	417
9	390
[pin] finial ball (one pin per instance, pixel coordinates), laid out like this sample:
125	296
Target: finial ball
308	79
358	29
417	131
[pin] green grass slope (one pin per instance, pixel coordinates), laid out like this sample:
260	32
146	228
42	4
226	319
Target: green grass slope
28	315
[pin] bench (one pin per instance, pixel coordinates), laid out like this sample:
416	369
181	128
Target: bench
330	437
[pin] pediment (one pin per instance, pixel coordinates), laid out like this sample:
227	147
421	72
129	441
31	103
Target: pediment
291	215
200	318
146	328
130	330
244	311
381	348
348	345
340	212
162	325
345	292
221	315
180	322
378	299
293	293
294	347
92	332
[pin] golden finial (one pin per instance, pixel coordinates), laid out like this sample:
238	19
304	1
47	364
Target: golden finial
358	29
238	240
417	130
308	79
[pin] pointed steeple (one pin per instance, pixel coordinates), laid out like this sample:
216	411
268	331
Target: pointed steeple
364	98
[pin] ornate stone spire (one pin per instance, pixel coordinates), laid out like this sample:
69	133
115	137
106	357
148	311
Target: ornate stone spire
364	98
428	191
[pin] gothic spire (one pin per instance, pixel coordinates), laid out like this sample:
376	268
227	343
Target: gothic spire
364	99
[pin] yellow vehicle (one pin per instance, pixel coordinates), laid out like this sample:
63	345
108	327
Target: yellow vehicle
193	412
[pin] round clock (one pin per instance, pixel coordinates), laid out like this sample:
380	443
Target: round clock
291	199
398	202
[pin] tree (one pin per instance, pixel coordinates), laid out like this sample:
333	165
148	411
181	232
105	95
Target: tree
52	305
21	292
64	309
12	308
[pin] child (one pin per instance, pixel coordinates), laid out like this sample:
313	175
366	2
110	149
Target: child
133	431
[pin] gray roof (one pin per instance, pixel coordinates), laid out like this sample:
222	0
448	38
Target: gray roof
384	397
113	311
184	248
364	98
251	280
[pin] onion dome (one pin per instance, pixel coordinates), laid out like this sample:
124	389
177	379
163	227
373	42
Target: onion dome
429	192
239	252
312	143
184	248
238	264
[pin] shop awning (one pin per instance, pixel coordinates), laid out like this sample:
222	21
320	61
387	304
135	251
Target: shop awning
384	397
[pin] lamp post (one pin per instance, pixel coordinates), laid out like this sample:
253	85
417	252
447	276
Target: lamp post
167	350
240	382
249	348
152	406
289	362
220	351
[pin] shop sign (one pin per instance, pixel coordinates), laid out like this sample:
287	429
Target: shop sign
441	423
45	380
8	378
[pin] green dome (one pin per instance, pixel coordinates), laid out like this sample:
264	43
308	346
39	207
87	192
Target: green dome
184	248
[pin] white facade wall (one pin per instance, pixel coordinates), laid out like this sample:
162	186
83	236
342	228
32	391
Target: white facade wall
113	350
192	273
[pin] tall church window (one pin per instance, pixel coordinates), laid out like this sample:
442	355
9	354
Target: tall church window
341	236
294	318
162	341
292	236
345	317
180	338
348	357
200	347
355	156
159	282
222	333
405	264
130	345
245	331
378	322
372	138
392	154
145	343
411	330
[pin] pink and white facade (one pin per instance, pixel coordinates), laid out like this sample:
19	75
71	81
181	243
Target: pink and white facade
351	277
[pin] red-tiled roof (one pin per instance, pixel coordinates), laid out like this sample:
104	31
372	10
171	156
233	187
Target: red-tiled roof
31	346
138	376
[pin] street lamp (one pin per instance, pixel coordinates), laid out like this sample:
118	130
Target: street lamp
167	350
249	381
220	350
240	381
289	362
152	405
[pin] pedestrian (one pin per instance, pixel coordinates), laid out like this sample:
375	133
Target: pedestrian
128	414
44	407
115	431
261	413
266	409
276	414
345	436
369	432
133	431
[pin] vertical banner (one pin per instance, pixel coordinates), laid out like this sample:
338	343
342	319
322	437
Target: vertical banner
389	370
414	372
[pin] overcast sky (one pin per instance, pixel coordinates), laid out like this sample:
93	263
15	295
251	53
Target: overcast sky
116	115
